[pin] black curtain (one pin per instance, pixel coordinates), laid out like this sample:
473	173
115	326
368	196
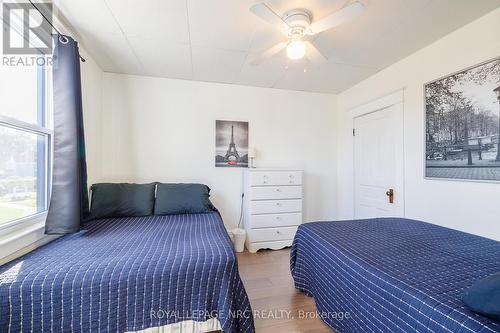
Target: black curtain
69	202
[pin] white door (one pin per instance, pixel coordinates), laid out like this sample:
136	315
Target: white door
379	163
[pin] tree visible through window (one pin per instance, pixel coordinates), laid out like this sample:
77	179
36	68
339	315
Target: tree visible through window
24	142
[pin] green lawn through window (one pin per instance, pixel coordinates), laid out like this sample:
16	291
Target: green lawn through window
13	210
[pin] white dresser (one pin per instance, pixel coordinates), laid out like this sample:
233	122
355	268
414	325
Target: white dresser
272	207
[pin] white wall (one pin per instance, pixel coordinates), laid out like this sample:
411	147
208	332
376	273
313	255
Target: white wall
471	207
92	112
158	129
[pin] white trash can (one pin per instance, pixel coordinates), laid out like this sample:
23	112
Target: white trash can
231	236
239	239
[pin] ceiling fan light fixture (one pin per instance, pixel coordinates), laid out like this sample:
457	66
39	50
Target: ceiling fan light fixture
296	50
298	23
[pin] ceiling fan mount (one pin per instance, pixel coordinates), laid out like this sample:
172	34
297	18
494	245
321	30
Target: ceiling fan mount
297	20
298	23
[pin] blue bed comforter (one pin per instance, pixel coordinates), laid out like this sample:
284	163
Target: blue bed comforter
127	274
392	275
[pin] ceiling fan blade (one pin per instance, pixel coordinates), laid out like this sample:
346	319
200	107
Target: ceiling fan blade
269	53
346	14
314	55
267	14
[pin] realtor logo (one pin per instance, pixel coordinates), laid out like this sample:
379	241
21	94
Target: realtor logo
25	29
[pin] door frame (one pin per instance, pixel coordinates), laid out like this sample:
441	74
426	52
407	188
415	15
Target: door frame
395	99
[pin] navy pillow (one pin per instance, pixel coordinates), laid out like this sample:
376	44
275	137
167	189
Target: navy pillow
182	199
120	200
484	296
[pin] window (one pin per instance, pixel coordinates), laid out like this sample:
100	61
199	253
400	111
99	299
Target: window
25	137
25	141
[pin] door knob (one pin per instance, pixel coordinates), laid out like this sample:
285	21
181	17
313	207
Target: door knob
390	195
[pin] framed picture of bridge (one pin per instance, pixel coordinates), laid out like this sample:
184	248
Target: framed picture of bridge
231	144
462	121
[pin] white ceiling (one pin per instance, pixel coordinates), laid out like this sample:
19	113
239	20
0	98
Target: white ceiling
215	40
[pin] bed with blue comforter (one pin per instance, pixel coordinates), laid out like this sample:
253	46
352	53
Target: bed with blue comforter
392	275
127	274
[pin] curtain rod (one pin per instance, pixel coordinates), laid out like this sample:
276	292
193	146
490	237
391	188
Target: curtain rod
52	25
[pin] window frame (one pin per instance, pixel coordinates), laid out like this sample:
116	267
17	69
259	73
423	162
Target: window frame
42	129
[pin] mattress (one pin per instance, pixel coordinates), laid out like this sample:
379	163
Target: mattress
392	275
127	274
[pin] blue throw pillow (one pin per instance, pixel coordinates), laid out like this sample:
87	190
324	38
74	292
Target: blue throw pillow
484	297
122	200
182	199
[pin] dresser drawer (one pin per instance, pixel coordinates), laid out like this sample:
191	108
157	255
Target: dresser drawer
275	220
262	178
275	206
271	234
275	192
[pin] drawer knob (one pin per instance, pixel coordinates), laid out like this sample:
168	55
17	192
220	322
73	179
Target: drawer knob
278	232
290	181
278	218
278	204
278	190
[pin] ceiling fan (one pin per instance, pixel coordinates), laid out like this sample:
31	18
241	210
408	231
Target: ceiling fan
297	25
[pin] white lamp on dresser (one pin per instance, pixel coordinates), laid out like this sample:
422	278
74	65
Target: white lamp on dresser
251	157
272	207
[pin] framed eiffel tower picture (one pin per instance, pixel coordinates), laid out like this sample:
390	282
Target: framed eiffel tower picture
231	144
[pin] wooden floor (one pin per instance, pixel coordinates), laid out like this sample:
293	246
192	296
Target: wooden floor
267	280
